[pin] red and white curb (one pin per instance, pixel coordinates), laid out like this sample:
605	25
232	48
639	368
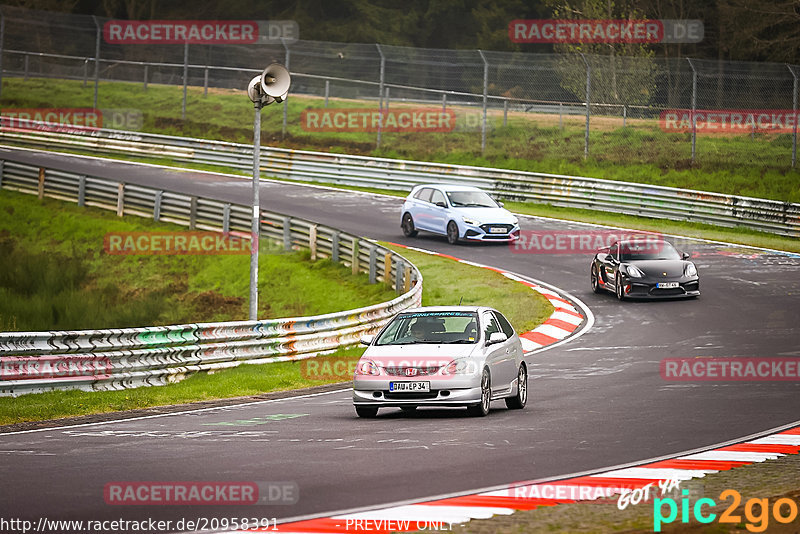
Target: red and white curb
426	515
564	320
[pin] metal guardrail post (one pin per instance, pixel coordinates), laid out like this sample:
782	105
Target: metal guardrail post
354	258
588	99
312	241
41	183
157	206
96	61
192	213
794	109
387	268
335	247
373	265
287	233
226	218
120	199
694	109
398	277
81	190
485	99
407	279
185	77
380	95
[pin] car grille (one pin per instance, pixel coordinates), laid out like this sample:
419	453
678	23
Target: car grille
410	396
667	292
421	371
488	228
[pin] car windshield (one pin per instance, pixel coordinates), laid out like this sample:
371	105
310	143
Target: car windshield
441	327
648	250
470	199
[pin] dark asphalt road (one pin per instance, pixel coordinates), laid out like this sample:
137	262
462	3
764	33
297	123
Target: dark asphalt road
596	401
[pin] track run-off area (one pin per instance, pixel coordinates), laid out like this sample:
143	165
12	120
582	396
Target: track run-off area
595	401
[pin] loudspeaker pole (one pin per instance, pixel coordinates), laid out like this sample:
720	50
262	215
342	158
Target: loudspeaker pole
255	231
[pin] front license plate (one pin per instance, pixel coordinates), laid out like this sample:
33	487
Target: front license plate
410	387
667	285
495	230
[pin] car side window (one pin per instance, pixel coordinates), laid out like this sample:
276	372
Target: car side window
438	196
424	194
614	251
508	330
490	325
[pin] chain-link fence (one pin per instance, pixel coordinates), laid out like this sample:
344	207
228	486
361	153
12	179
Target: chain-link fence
670	112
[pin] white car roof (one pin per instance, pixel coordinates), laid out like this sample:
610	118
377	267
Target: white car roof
449	187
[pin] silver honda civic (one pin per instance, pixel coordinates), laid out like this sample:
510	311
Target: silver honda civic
442	356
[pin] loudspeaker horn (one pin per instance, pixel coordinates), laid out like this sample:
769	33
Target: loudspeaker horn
275	81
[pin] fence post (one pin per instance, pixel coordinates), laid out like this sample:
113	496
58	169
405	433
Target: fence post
226	218
444	101
192	213
407	280
285	102
561	116
96	60
485	98
287	233
505	112
327	91
185	77
387	268
794	109
694	109
354	257
205	82
41	183
312	241
380	94
373	265
335	247
398	277
120	199
624	114
2	35
85	71
588	99
157	206
146	67
27	58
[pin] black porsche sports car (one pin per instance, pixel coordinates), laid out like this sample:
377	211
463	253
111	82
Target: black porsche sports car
648	268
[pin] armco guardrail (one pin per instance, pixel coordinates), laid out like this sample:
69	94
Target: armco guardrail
559	190
131	357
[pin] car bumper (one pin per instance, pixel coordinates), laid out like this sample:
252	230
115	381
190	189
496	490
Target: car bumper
478	233
456	391
648	289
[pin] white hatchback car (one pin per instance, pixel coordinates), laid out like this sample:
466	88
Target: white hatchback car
460	212
442	356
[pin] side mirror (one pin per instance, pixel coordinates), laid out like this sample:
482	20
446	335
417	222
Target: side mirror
496	337
501	204
685	255
367	340
441	204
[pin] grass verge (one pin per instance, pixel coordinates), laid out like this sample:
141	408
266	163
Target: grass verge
757	165
442	285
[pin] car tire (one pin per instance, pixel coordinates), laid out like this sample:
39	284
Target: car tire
367	412
518	401
409	230
452	233
482	408
595	279
618	288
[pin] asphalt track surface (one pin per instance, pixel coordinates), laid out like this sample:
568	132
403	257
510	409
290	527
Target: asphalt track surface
594	402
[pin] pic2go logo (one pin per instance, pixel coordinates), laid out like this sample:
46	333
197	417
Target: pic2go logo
757	522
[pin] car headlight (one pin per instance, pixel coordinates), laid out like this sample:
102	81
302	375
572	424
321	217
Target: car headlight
367	368
459	367
473	222
634	272
690	269
514	221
